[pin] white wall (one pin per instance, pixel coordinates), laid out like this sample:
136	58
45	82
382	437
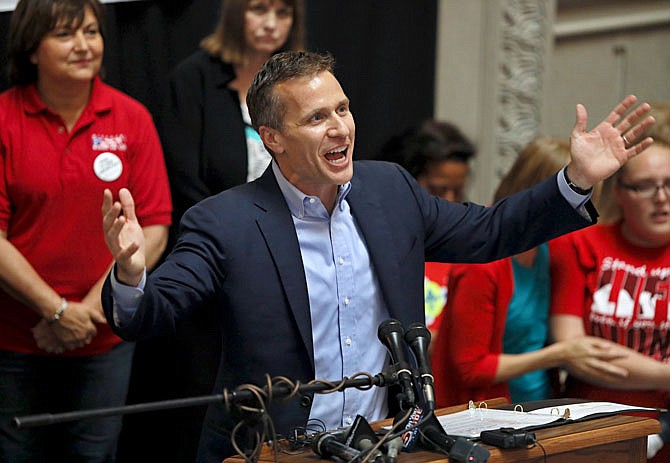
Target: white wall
603	51
510	69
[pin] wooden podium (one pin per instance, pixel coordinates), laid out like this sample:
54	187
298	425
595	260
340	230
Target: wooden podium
613	439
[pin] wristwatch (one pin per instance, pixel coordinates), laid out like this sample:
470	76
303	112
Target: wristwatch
573	187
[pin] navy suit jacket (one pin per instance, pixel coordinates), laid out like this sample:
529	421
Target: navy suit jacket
239	249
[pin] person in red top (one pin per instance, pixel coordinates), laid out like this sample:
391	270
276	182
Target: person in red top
437	154
65	137
613	281
492	341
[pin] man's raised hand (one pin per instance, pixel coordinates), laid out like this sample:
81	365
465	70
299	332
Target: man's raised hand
599	153
124	236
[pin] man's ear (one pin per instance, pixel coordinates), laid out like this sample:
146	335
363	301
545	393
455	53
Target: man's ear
271	139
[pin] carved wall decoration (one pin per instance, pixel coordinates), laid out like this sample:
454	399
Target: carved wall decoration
524	25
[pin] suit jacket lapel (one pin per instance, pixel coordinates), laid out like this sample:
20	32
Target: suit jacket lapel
376	225
276	224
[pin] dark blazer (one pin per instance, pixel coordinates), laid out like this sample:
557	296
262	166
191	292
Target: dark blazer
203	132
239	248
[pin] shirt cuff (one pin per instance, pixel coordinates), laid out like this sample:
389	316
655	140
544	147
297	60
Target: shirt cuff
126	298
576	200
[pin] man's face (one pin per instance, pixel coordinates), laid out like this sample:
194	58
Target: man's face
315	147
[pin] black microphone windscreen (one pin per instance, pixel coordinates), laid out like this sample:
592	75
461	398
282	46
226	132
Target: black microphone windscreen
388	327
327	446
391	333
417	330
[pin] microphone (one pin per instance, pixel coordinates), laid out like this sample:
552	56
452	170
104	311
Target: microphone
326	445
390	333
365	445
418	338
460	449
362	437
393	448
424	431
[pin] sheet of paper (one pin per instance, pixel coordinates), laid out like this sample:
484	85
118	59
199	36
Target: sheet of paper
470	423
578	411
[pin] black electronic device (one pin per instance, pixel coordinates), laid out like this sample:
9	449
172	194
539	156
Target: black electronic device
508	438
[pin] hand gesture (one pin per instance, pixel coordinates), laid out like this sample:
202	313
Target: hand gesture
124	236
601	152
76	326
46	339
591	357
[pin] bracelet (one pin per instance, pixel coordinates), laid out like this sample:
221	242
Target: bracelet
577	189
59	312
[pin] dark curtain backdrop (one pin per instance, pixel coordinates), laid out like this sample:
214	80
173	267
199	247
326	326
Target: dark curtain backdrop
385	53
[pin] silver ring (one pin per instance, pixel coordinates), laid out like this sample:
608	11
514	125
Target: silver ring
625	140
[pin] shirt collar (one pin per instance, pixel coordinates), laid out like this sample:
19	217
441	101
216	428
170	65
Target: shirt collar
100	99
297	200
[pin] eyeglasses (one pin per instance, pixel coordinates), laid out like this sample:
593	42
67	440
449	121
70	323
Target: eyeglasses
647	189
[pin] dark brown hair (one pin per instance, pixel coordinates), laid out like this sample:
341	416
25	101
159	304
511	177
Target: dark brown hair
265	108
429	143
227	42
31	21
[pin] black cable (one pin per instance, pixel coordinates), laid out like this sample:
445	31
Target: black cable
537	442
257	422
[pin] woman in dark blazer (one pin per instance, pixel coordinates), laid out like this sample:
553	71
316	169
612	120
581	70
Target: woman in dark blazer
207	133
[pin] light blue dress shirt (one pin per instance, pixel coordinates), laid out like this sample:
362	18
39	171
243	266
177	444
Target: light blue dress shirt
345	304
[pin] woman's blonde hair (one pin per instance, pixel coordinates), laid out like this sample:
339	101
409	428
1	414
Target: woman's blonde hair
540	159
228	43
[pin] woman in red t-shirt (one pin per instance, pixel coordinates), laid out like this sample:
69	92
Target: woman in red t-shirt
613	281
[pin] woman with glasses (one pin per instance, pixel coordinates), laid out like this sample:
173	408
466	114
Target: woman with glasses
613	281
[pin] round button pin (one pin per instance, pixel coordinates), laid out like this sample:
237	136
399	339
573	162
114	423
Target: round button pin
107	166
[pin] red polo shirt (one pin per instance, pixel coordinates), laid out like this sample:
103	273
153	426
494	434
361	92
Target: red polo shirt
51	188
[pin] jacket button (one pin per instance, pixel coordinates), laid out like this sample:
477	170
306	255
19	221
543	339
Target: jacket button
305	401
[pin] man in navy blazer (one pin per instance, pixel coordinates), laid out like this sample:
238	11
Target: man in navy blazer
304	262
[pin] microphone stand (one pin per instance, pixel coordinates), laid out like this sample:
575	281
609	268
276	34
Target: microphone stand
237	396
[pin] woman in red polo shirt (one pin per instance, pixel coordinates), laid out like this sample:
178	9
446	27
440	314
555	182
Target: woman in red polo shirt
65	136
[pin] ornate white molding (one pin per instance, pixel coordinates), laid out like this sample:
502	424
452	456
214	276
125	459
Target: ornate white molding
523	31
